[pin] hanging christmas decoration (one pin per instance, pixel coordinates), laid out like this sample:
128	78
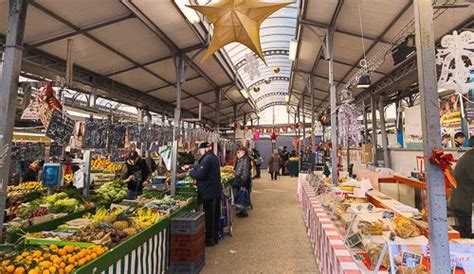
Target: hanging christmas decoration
256	89
445	162
237	21
276	69
457	61
349	127
251	66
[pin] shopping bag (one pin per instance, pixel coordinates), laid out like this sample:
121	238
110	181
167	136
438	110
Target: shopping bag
242	199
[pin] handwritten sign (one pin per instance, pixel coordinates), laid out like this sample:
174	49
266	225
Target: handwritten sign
411	260
95	133
133	132
116	136
60	127
307	162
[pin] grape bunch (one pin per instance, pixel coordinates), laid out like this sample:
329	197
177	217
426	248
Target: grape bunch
41	211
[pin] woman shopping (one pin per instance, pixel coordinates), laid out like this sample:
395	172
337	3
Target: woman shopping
274	165
242	181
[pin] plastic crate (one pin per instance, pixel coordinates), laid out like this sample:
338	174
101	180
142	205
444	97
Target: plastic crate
188	223
186	255
188	267
183	239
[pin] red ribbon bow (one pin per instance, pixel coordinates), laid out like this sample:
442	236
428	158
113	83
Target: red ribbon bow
444	161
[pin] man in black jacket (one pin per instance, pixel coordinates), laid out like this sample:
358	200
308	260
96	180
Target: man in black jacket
208	176
135	173
463	196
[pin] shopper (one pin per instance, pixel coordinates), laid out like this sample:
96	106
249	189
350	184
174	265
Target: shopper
471	142
134	174
459	139
31	173
284	156
258	163
463	195
208	177
242	181
274	165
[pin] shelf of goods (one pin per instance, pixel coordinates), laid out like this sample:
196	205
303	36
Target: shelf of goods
350	234
111	237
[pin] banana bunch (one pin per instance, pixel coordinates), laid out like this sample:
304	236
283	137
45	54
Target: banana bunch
99	215
145	218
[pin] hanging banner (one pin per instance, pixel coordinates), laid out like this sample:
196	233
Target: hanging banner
262	130
256	134
276	130
285	129
269	130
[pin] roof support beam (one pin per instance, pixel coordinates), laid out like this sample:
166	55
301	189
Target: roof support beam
82	30
157	60
380	37
96	40
353	34
170	85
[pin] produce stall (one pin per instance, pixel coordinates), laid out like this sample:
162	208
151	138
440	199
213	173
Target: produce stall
125	237
361	230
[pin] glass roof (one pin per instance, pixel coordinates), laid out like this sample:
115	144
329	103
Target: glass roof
268	84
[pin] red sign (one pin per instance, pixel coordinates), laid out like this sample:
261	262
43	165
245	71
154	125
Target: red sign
262	130
276	130
292	127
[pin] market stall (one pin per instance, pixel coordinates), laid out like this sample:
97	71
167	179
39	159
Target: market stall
373	231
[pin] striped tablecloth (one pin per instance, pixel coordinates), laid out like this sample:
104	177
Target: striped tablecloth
330	253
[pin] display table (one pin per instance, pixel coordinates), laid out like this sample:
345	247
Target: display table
330	253
145	252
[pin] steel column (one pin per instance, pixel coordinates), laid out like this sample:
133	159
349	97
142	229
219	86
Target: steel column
374	128
333	99
177	113
386	156
437	215
313	116
366	126
304	122
10	73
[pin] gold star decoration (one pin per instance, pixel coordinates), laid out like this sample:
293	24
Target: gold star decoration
237	21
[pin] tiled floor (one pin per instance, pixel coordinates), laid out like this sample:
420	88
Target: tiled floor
271	240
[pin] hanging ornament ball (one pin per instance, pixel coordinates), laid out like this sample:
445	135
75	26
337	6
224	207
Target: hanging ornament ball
276	69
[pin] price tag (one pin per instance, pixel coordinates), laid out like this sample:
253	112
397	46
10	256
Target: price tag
411	260
388	215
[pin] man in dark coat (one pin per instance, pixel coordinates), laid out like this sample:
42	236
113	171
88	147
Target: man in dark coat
135	173
208	176
463	196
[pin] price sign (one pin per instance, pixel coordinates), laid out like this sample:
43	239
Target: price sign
60	127
95	133
116	136
307	163
388	215
411	260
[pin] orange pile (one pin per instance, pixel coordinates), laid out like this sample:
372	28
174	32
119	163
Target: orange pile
51	260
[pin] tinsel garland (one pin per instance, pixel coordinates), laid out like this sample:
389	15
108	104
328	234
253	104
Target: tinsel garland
349	126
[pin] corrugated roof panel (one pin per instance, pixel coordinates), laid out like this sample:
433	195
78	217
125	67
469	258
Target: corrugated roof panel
133	39
139	78
89	55
85	12
167	17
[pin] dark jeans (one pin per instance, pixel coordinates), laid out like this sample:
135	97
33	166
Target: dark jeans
274	175
212	209
464	224
258	169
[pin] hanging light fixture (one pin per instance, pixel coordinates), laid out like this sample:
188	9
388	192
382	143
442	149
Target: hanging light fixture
404	50
287	98
267	81
364	81
256	89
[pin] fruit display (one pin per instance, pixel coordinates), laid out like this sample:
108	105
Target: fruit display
109	192
226	178
145	218
227	169
113	168
62	203
49	260
25	189
294	159
99	164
